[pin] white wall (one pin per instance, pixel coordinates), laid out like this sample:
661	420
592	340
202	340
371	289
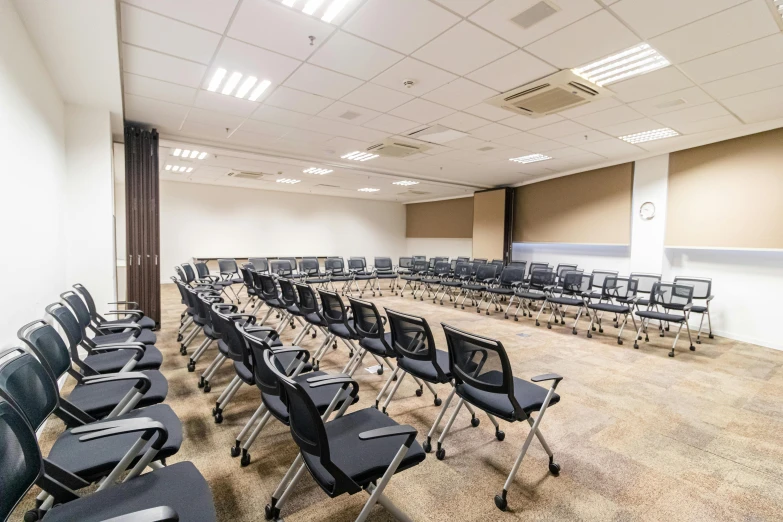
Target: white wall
212	221
588	257
650	183
90	199
33	166
435	247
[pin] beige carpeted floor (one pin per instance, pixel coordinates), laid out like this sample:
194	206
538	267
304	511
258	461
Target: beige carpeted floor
639	436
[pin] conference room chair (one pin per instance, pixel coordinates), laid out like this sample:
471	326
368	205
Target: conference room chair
98	395
205	302
206	279
357	266
296	368
271	295
413	278
452	266
599	276
310	271
430	282
451	286
28	386
123	331
384	271
669	303
479	261
358	451
369	326
562	269
510	278
489	384
645	286
313	314
335	268
474	289
175	492
404	266
518	264
702	291
281	268
463	259
229	275
290	299
133	314
419	258
536	266
260	264
569	293
197	315
618	297
534	291
246	271
292	263
498	262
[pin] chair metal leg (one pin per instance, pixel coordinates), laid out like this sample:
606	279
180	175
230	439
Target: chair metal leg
441	453
393	391
377	491
385	387
428	444
253	419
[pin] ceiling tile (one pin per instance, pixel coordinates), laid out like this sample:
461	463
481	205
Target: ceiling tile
522	140
425	77
207	14
566	152
467	143
307	136
460	94
402	25
492	131
758	80
497	17
252	61
632	127
337	128
757	106
278	28
702	112
513	70
346	113
265	128
579	139
653	18
421	111
589	108
163	67
717	32
598	35
558	130
612	148
299	101
151	88
279	116
489	112
316	80
655	83
350	55
462	121
391	124
152	31
462	7
599	120
376	97
545	146
463	48
673	101
171	111
345	145
216	119
214	101
526	122
747	57
711	124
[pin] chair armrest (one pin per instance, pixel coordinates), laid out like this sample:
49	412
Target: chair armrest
146	425
117	326
278	351
328	377
108	349
156	514
389	431
134	303
271	331
143	381
548	377
710	298
338	380
109	425
137	314
687	307
250	318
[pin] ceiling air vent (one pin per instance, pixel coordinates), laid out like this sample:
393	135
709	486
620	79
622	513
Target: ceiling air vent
418	192
392	148
557	92
437	134
535	14
246	175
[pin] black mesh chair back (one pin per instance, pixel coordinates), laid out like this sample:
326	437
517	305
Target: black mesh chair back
537	266
234	342
562	269
479	261
309	266
406	262
287	292
78	308
465	259
216	311
599	276
88	300
481	363
463	270
542	278
511	275
308	302
519	264
333	309
412	338
646	281
47	345
452	265
498	262
291	261
367	319
281	267
335	266
702	286
486	271
69	324
419	265
260	264
575	282
268	287
247	275
614	287
357	264
26	384
202	269
21	464
190	276
383	265
181	274
205	302
227	266
442	268
419	258
671	295
474	266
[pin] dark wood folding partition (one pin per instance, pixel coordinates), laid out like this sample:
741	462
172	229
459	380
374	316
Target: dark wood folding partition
143	219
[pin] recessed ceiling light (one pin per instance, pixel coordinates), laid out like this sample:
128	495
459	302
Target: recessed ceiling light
289	3
231	83
316	170
202	155
334	9
193	154
186	153
190	169
214	83
258	91
248	84
289	181
311	6
406	183
637	60
177	152
657	134
532	158
359	156
369	189
168	167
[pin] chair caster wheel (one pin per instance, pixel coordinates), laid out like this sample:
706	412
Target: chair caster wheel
438	401
463	307
500	435
501	503
379	371
207	387
271	513
693	348
218	418
183	350
589	335
191	367
712	336
334	345
419	392
549	326
619	341
245	460
427	447
475	421
573	331
671	354
537	323
201	382
235	451
600	330
505	316
516	319
698	341
636	345
314	335
593	328
440	454
32	516
179	337
554	468
315	368
395	378
647	338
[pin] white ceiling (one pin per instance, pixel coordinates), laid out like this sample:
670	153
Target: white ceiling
726	80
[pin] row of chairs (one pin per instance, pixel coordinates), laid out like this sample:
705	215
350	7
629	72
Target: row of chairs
116	423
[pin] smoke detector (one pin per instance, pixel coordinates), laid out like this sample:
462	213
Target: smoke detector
408	83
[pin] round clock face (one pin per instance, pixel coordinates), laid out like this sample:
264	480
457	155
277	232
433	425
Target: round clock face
647	210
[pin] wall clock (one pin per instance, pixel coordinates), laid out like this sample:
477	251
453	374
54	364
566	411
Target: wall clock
647	210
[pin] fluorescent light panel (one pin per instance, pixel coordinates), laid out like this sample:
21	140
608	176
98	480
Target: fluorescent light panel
177	152
288	181
202	155
248	84
333	10
532	158
369	189
193	154
657	134
316	170
216	80
258	91
311	6
406	183
289	3
231	83
635	61
359	156
168	167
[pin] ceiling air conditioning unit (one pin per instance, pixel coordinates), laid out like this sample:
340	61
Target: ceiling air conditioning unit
247	175
557	92
393	148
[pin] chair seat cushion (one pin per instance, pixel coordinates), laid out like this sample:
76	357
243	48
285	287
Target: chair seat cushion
294	310
315	319
386	276
321	397
661	316
287	358
113	362
341	278
501	290
179	486
364	461
611	308
94	459
410	278
364	277
425	369
340	330
145	322
453	284
430	281
99	399
530	396
531	296
317	281
274	302
244	372
474	287
145	336
566	301
699	309
377	346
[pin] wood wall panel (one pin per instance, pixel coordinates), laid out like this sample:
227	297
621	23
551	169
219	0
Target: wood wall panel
489	220
450	218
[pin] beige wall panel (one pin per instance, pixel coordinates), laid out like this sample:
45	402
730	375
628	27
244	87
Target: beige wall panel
592	207
450	218
489	211
728	194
